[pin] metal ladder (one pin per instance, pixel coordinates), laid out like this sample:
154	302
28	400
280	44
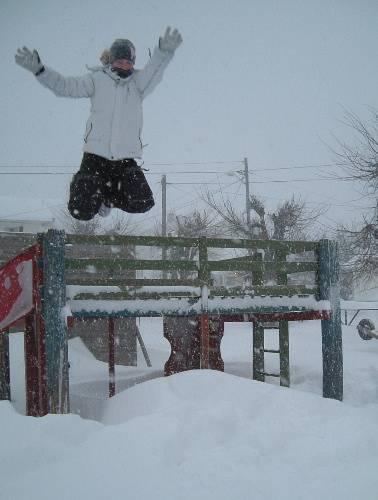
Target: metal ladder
259	351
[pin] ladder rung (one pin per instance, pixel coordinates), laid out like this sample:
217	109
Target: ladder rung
274	351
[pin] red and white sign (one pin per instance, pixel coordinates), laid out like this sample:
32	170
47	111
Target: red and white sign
16	289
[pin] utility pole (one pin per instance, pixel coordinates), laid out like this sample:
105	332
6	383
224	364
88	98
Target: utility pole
247	201
164	214
164	205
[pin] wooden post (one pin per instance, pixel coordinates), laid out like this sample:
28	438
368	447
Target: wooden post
184	334
216	332
111	357
53	302
258	351
204	275
258	276
164	219
280	256
32	368
34	345
204	340
284	353
331	329
5	390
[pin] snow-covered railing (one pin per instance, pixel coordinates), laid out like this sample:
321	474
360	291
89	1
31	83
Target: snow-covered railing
272	289
174	287
266	258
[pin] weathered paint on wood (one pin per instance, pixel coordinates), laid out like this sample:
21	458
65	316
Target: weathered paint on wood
35	368
268	291
258	351
118	264
204	341
258	274
5	389
54	299
111	363
331	328
255	265
203	267
188	307
284	353
53	302
135	283
166	241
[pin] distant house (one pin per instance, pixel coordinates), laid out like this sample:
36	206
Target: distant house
25	225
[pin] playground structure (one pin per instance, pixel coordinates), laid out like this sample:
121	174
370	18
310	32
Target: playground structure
183	292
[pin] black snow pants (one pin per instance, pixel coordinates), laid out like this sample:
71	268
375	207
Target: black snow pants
119	184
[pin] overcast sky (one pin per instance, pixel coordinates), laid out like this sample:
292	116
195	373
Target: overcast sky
268	80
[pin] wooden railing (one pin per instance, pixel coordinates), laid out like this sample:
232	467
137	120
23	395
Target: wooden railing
199	273
269	288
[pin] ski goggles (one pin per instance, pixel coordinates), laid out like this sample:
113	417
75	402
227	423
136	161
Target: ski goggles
124	64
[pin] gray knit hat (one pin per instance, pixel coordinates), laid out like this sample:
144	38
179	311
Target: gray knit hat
122	49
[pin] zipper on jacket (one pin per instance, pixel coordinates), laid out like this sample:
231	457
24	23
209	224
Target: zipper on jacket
113	115
87	134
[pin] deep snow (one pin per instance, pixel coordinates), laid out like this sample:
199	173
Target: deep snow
201	434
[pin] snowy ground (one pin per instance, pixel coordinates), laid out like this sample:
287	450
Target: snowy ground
201	434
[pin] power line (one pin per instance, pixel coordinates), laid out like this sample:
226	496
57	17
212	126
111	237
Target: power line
165	164
275	181
175	164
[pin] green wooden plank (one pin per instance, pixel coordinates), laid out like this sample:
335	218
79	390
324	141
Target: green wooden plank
185	308
254	265
118	264
290	246
94	280
139	282
266	291
217	292
130	295
159	241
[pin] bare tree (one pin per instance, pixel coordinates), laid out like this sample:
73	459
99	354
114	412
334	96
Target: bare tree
289	221
192	225
361	260
360	161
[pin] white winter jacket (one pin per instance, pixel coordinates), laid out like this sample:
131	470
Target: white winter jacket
115	123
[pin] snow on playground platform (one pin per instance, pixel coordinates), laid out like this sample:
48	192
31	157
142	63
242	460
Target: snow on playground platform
203	434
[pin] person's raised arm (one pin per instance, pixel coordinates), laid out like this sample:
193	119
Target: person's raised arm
152	73
62	86
29	60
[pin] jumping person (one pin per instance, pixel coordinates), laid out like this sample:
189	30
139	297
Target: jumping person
109	176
